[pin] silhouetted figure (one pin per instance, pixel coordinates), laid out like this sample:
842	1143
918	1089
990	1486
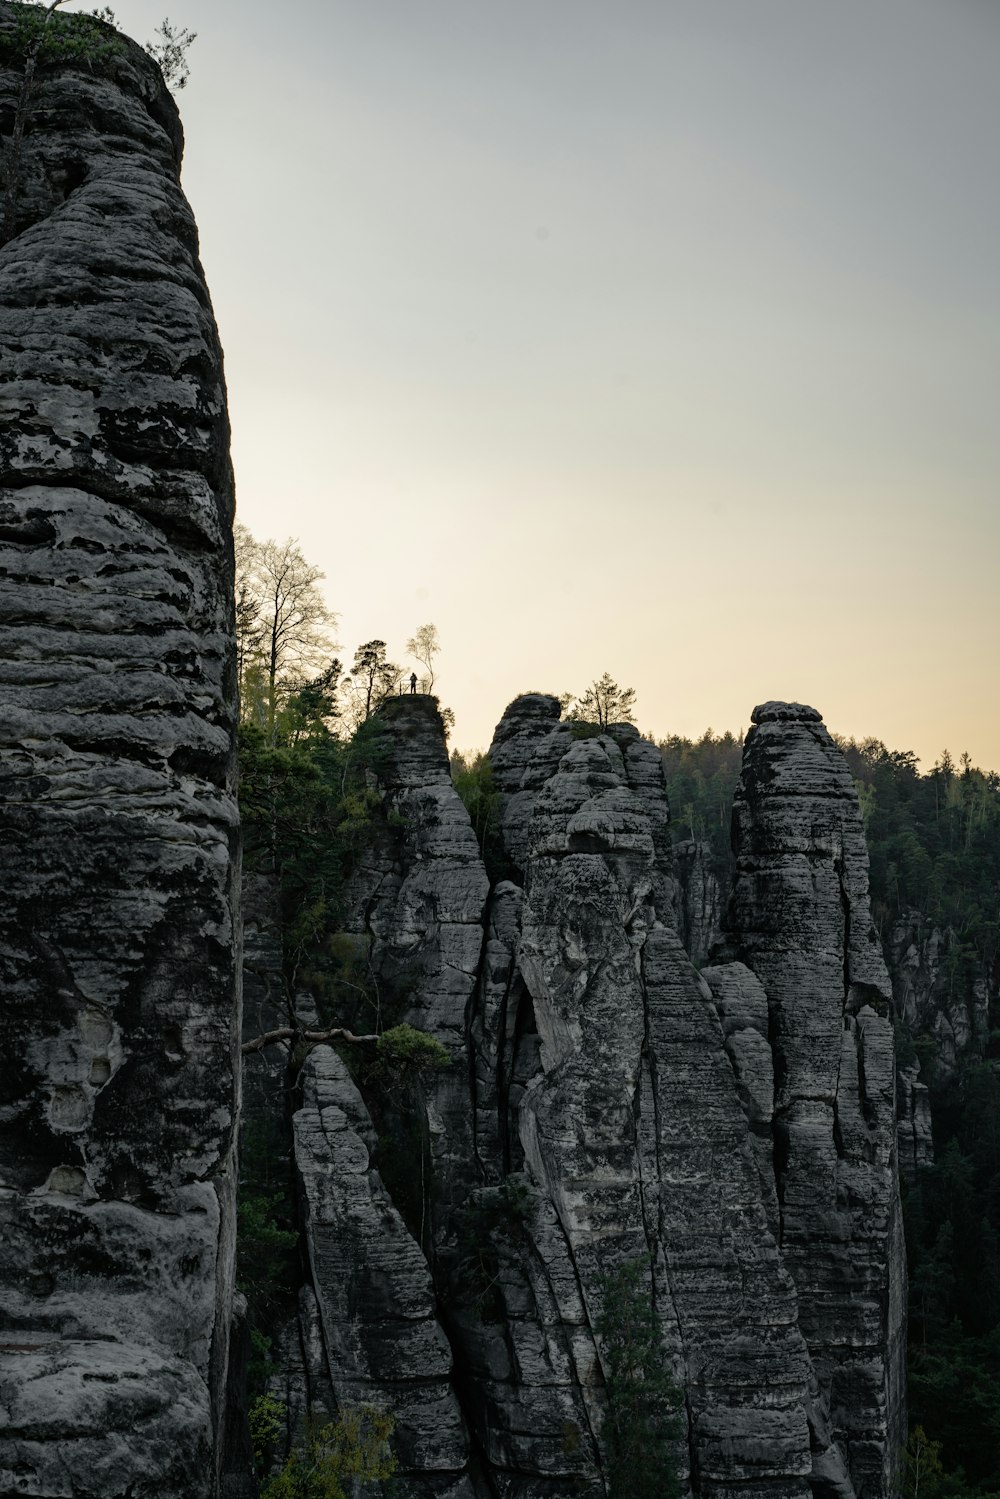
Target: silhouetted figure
413	681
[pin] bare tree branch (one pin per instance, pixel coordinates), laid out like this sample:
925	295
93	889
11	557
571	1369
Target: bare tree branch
292	1033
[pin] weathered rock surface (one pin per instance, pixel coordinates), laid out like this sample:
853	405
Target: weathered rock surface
367	1331
624	1115
914	1132
118	935
736	1128
921	959
420	897
799	918
380	1337
698	898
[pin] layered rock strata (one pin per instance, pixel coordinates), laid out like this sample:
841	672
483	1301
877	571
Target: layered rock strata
367	1330
118	935
698	898
606	1103
799	919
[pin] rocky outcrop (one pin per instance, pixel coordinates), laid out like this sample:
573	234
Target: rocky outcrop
118	935
375	1301
623	1116
367	1331
733	1130
799	919
935	994
914	1131
698	899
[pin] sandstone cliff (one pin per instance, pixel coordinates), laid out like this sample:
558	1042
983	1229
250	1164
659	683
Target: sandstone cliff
118	934
799	918
734	1129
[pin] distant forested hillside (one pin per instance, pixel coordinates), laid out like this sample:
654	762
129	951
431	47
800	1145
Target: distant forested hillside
934	840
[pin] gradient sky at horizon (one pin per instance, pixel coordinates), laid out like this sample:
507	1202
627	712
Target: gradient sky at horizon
659	338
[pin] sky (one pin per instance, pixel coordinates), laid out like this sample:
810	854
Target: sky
659	338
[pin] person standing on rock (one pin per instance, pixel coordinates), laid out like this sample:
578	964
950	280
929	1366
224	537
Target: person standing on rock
413	682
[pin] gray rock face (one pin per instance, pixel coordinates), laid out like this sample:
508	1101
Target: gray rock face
735	1128
377	1320
698	898
799	919
914	1132
623	1114
118	936
367	1332
956	1016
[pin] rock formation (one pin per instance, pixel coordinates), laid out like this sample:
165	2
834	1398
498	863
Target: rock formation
118	935
733	1130
922	960
602	1103
698	899
799	918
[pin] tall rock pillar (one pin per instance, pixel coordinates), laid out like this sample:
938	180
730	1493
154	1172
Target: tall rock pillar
118	937
800	919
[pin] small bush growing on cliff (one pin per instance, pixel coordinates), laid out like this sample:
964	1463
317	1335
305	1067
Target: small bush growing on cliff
643	1400
170	49
473	780
54	38
403	1053
335	1456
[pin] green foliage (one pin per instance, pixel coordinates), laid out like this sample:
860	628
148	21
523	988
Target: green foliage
372	679
333	1459
473	780
55	37
309	812
266	1418
403	1053
701	779
580	729
921	1475
643	1400
952	1217
267	1262
264	1252
934	841
170	49
604	703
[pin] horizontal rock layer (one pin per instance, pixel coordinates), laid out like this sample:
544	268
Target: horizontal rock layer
734	1129
118	935
799	919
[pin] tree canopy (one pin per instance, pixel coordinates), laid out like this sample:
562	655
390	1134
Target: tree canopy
604	703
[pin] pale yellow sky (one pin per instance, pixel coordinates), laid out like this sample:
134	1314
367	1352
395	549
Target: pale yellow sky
658	338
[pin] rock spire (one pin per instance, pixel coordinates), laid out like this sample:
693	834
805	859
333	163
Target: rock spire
118	934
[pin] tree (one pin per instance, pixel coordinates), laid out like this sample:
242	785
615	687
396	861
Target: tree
43	36
372	678
284	628
334	1459
643	1419
604	702
921	1475
170	50
424	646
